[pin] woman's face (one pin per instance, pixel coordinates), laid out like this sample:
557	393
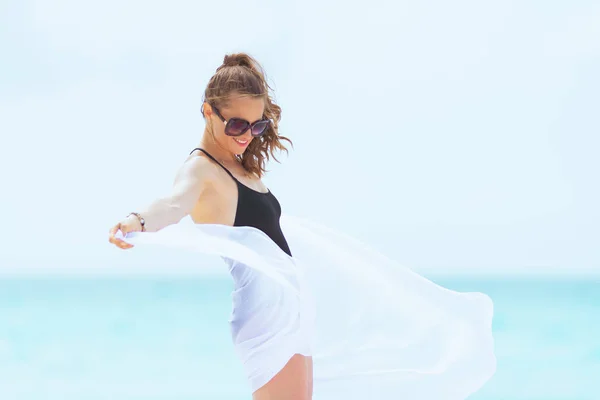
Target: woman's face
249	108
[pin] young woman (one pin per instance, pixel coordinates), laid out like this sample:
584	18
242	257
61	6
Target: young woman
374	326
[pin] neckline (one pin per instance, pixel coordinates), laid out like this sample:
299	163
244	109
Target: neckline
250	189
237	181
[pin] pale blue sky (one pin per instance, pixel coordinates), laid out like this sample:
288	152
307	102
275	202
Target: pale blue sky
470	133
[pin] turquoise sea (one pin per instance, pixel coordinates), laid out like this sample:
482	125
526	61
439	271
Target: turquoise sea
130	338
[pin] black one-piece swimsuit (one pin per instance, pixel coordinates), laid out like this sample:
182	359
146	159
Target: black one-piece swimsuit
256	209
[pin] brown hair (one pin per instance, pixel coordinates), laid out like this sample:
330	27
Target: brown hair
241	74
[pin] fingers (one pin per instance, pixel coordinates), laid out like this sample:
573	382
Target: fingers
113	231
116	241
123	245
125	228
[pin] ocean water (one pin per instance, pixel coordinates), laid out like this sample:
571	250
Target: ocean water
128	338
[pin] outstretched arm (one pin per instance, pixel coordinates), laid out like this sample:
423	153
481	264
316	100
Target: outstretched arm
190	182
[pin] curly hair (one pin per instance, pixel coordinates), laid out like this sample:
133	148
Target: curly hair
240	74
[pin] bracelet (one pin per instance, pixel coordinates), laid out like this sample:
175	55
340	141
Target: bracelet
141	219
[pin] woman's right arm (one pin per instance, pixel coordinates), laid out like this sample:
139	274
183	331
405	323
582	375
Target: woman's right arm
191	181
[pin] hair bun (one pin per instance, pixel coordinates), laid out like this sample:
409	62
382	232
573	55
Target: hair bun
237	59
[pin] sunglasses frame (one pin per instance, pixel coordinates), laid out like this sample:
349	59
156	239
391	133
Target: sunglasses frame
250	125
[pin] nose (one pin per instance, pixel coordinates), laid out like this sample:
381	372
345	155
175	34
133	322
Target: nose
246	135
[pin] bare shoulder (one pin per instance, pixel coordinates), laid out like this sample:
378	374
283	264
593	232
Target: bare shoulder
198	168
214	201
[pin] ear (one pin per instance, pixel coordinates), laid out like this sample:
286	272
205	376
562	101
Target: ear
206	110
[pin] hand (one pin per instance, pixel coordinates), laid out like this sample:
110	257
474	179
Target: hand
129	224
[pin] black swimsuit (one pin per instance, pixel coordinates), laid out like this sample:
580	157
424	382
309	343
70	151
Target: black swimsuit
257	209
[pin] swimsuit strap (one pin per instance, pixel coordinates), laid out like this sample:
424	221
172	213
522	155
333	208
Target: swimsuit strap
215	160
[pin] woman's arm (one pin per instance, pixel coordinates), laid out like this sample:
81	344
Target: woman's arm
191	181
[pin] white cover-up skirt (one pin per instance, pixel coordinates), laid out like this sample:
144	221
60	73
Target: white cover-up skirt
374	328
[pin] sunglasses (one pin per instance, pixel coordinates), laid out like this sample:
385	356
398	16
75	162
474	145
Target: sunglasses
239	126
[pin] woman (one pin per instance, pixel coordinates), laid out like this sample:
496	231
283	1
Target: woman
274	325
219	183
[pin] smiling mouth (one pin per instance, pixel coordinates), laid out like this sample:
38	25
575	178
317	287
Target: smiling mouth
241	142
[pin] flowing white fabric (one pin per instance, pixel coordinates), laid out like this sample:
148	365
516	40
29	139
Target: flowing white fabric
377	329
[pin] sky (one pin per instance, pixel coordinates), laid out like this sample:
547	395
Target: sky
452	136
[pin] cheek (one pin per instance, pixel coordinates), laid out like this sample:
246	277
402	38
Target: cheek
218	133
221	137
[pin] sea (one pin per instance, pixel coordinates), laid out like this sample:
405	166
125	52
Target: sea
167	337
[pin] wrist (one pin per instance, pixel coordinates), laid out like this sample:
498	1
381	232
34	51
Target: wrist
140	220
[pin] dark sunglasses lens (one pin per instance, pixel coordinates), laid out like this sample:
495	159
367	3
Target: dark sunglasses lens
236	127
259	128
